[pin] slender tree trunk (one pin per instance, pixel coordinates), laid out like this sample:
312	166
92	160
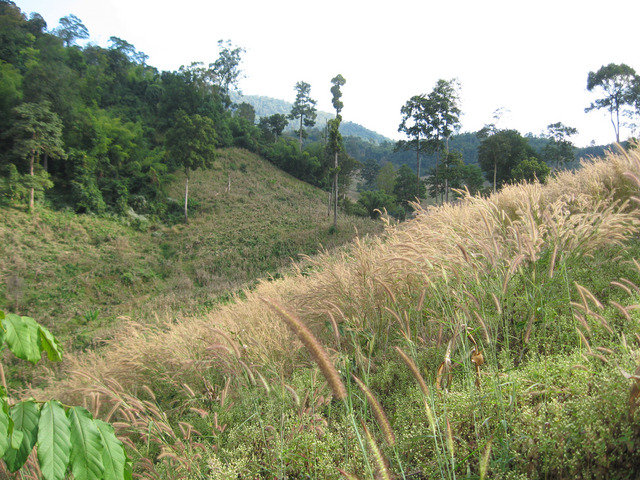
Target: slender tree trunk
329	198
418	167
45	162
186	198
495	174
335	189
437	180
300	133
31	191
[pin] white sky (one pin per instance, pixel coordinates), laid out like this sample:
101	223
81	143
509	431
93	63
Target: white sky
531	58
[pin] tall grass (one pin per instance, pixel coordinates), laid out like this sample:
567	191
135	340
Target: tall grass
524	302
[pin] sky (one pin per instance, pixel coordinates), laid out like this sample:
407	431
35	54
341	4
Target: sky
529	58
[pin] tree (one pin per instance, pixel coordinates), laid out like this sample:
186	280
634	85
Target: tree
386	179
375	201
529	170
616	82
443	119
414	125
227	66
499	153
335	138
304	109
71	29
192	145
450	174
369	172
36	131
407	188
471	178
559	150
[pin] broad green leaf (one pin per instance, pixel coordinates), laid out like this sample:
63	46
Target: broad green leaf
114	457
25	417
86	445
54	441
49	344
4	426
22	337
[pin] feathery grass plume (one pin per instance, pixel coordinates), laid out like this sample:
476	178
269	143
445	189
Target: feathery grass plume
231	343
584	339
585	293
382	467
421	300
415	371
347	475
485	330
294	394
623	287
529	327
450	445
484	461
621	309
552	262
583	321
266	386
378	412
336	330
313	346
246	368
497	303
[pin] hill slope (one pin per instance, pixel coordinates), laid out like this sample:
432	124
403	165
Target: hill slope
266	106
514	317
78	273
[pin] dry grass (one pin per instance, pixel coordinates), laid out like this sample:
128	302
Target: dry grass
364	288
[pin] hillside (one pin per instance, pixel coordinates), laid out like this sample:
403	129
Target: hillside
494	338
266	106
79	274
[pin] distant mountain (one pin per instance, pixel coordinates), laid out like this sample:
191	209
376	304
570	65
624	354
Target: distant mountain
267	106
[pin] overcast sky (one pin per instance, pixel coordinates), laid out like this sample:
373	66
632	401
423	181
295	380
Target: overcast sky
530	58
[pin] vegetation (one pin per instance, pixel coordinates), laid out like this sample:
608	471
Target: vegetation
495	338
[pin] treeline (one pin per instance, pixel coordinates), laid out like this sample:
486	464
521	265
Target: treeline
99	130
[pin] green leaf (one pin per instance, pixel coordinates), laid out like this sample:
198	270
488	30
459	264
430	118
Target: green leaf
5	420
54	441
48	343
86	445
114	457
25	417
22	337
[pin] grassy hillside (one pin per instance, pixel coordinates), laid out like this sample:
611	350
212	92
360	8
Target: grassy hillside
81	275
496	338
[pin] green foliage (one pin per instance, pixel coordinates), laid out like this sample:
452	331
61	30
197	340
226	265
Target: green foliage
617	83
66	437
407	187
500	153
559	149
304	109
529	170
376	202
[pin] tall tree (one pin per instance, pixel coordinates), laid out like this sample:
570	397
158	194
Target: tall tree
442	119
304	109
71	29
559	150
500	153
192	145
36	131
616	82
414	125
335	138
406	188
227	66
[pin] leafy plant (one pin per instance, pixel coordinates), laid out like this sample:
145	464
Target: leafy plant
66	437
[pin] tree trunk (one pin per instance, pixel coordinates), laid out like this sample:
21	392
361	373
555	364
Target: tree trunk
335	189
186	199
495	174
329	197
31	190
437	161
418	167
300	133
